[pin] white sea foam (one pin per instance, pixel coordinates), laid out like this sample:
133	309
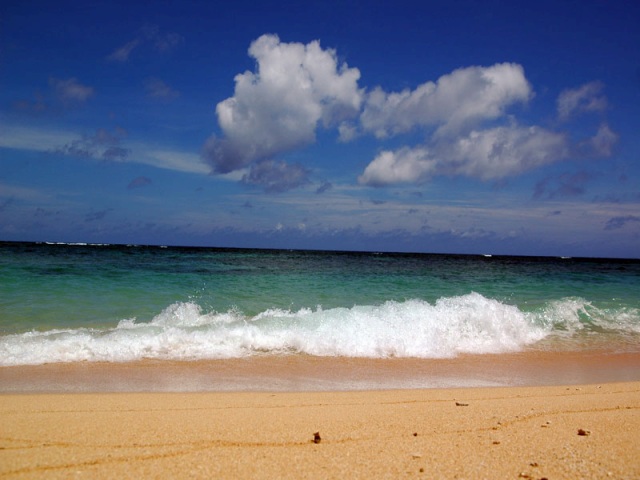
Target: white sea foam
414	328
569	316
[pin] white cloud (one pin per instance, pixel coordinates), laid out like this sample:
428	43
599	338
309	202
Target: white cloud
486	154
504	151
406	165
586	98
461	98
457	106
298	88
279	107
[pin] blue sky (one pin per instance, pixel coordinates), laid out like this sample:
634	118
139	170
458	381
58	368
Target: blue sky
450	127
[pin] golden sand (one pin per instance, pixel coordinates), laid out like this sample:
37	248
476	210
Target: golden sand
554	432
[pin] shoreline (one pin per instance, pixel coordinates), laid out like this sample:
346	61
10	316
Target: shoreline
555	432
531	415
291	373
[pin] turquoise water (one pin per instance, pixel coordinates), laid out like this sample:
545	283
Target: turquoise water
61	303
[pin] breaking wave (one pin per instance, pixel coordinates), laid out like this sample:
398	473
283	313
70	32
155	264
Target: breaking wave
414	328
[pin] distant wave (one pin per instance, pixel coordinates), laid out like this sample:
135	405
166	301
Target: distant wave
414	328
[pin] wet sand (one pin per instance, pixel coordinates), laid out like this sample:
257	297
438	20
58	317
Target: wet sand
305	373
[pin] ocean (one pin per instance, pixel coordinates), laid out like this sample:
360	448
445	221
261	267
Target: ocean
69	303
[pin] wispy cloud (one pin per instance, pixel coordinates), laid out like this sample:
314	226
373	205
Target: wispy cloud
138	182
602	143
158	89
616	223
276	177
33	138
181	161
38	104
99	215
105	145
70	91
586	98
10	193
62	94
122	54
102	145
562	186
148	36
326	186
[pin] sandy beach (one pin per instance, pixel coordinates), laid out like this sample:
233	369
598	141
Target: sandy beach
576	431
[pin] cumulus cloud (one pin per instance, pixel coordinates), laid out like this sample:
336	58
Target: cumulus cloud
586	98
453	112
485	154
455	109
505	151
406	165
295	89
461	98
